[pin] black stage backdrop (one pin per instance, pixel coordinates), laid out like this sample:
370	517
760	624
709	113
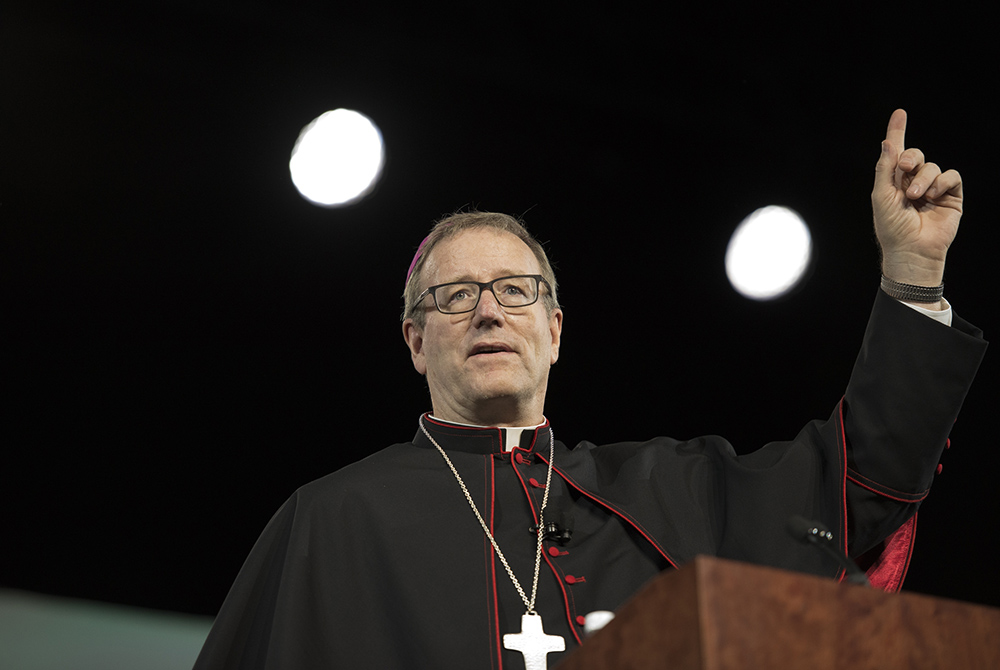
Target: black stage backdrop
186	340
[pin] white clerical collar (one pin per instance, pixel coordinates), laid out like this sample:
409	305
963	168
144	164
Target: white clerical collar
512	435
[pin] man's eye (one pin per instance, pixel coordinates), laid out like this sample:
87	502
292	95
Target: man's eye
458	295
515	288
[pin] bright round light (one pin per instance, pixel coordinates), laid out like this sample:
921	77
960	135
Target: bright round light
337	158
768	253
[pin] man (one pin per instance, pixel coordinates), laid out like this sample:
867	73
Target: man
483	543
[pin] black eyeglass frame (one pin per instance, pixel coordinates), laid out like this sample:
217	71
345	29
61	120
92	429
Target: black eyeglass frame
483	286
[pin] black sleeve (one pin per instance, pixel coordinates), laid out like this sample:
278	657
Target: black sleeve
906	390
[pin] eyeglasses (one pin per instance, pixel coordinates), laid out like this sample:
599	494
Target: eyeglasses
463	296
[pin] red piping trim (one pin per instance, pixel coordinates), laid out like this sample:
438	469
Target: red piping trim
621	513
843	481
845	477
534	439
491	467
886	495
567	595
450	426
524	487
909	497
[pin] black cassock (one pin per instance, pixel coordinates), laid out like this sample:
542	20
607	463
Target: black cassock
383	564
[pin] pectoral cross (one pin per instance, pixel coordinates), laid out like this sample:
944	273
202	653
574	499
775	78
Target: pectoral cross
533	642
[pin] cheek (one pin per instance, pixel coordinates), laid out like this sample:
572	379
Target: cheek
545	350
441	352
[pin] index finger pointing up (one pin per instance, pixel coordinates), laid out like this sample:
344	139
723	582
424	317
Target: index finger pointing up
896	132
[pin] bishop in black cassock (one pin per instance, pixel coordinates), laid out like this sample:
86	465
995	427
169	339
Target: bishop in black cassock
383	564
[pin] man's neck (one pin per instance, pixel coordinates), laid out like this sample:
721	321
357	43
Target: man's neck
498	413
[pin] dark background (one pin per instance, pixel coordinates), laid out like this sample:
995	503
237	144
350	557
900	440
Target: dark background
186	340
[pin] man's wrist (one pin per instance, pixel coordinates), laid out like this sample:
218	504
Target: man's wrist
912	269
928	297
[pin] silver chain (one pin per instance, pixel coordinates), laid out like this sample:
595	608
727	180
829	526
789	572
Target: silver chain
541	520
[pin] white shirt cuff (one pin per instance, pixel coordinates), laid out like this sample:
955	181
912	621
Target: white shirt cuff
944	315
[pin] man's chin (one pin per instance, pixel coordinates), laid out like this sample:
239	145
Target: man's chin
499	392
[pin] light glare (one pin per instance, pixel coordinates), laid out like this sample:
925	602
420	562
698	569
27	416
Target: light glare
337	158
768	253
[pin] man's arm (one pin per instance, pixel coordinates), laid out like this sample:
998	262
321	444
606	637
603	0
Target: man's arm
917	208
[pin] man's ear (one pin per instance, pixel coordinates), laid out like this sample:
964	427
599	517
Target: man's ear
414	337
555	329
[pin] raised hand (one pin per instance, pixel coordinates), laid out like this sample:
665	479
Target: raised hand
917	209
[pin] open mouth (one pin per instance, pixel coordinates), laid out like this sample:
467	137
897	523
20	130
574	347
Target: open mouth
487	349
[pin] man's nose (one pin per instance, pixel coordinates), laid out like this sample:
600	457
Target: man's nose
488	310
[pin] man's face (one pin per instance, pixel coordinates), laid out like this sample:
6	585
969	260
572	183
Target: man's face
491	365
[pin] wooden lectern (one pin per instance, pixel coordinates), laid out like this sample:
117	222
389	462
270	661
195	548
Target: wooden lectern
715	614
